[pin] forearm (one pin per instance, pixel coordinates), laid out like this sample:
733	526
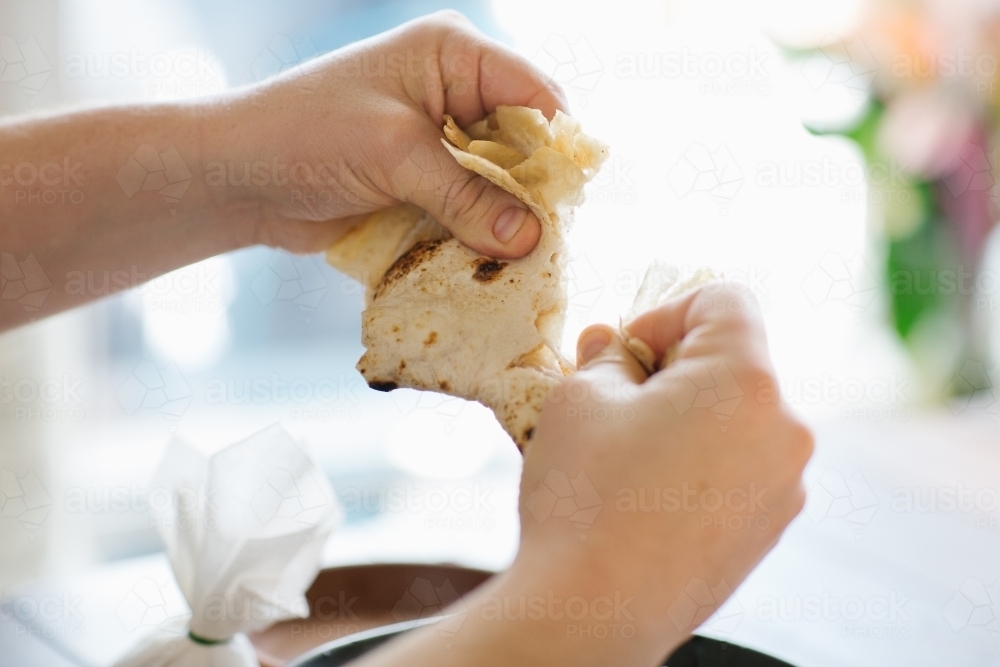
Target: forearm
546	614
108	198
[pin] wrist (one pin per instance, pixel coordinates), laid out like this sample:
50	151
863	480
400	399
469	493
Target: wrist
229	204
599	600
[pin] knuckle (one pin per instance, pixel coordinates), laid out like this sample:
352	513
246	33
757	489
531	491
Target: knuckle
755	377
798	501
732	290
450	19
802	444
465	202
734	301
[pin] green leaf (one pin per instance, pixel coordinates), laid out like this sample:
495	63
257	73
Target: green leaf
921	270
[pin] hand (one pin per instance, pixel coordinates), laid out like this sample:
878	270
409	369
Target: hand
359	129
292	162
693	476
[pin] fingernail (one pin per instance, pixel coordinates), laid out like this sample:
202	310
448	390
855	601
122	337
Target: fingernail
593	343
508	224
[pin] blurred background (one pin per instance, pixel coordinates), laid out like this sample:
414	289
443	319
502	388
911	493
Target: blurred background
836	156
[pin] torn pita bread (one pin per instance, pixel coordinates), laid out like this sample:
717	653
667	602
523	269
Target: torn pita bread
661	283
442	317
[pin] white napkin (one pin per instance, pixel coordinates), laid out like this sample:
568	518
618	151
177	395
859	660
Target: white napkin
244	529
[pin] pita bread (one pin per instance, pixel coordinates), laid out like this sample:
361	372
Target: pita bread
661	282
442	317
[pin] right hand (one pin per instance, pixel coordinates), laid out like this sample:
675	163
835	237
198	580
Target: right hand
364	125
704	455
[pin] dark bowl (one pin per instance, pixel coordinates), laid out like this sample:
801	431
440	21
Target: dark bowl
345	601
697	652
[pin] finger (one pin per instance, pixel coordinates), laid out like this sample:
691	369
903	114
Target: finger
600	351
479	74
713	318
481	215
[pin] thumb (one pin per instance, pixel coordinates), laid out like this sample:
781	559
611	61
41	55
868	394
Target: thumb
482	216
601	351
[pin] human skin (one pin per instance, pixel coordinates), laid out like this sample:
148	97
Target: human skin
365	123
636	570
293	162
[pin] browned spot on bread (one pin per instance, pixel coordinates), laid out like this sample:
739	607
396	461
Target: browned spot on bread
444	386
432	338
383	386
402	364
407	262
535	358
528	433
488	270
